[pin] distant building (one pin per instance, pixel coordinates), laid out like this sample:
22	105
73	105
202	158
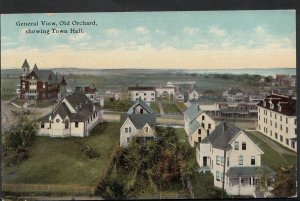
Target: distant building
197	124
193	95
277	119
138	124
231	156
38	84
145	93
75	115
167	90
89	91
179	97
234	95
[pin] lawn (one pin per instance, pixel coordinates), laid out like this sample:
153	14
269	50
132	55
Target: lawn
181	106
61	160
44	103
170	108
182	136
115	105
154	106
7	96
271	157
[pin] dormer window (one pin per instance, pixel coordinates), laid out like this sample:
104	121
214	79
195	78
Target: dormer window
271	106
32	77
146	129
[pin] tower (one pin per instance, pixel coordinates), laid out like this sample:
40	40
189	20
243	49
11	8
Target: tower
25	68
63	88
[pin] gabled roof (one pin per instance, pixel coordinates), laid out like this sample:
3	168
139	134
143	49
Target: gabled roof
192	112
194	125
222	135
35	68
234	91
82	105
137	88
140	120
142	104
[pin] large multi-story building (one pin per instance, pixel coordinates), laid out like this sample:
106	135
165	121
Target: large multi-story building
145	93
38	84
277	119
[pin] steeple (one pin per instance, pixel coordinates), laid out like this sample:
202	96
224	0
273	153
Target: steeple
25	68
63	81
35	68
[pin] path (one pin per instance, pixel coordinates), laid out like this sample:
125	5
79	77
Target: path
161	109
274	145
7	118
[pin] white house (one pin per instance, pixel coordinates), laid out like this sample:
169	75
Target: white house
179	97
75	115
228	145
277	120
193	95
197	124
138	124
234	95
145	93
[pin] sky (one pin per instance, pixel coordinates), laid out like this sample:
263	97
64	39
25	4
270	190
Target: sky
161	40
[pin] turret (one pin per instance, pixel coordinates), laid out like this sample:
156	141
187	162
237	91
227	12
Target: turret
25	68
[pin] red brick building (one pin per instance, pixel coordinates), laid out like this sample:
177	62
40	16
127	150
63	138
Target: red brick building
39	84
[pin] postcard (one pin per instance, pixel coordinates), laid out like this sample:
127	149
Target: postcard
149	105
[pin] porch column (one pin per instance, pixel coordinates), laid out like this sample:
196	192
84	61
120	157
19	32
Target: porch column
240	181
252	181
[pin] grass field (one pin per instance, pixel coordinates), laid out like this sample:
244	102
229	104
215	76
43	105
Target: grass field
181	106
115	105
271	157
154	106
61	160
170	108
7	96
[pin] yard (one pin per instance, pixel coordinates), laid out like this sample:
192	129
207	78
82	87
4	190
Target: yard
170	108
154	106
62	160
116	105
272	157
181	106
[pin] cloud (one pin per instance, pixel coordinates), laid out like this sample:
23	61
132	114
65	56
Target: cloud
113	32
217	31
260	30
141	30
161	32
78	37
190	31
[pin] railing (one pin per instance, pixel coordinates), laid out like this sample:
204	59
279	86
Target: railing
47	188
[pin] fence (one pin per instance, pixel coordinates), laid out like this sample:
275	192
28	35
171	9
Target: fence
47	188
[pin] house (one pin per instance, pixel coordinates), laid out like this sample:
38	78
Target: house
75	115
193	95
179	97
38	84
89	91
114	94
277	119
138	124
197	124
228	145
234	95
145	93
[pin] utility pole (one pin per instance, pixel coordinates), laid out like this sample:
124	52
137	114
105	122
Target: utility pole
223	179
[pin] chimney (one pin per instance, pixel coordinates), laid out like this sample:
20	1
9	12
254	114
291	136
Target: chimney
134	108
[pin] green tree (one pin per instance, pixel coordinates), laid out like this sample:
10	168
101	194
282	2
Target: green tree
285	183
264	179
18	139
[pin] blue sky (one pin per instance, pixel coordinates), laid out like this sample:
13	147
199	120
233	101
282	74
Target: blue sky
156	39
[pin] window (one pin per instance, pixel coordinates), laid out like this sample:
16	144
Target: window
280	118
236	145
227	161
199	139
270	122
141	111
293	144
136	94
287	141
145	99
129	129
146	129
66	125
287	130
76	124
88	120
276	135
128	139
281	127
286	120
152	99
281	138
199	131
295	121
209	126
240	160
217	160
57	120
203	117
126	130
275	116
207	132
217	176
222	160
252	160
244	146
145	94
152	94
271	133
275	125
221	176
42	125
